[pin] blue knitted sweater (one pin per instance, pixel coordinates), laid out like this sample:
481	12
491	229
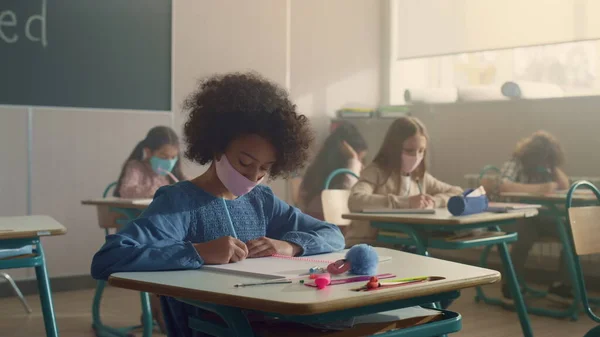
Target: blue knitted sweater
182	214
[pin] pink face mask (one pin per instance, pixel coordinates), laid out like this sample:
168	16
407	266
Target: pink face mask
410	163
234	181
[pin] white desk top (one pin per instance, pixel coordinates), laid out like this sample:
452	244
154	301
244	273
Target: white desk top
560	196
298	299
20	227
118	202
441	217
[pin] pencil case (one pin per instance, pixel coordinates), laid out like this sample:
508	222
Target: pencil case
462	205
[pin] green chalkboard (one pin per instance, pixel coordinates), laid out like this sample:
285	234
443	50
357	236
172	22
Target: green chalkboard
113	54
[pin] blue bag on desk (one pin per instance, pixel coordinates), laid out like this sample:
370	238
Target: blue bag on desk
463	205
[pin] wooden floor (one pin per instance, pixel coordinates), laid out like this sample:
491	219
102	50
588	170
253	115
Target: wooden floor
121	308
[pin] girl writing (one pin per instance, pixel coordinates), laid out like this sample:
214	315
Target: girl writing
153	163
397	178
248	131
344	148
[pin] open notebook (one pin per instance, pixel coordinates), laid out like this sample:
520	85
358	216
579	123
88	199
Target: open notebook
399	210
142	201
280	267
507	207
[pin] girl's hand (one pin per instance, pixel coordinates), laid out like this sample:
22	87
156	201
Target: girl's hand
421	201
222	250
348	151
264	246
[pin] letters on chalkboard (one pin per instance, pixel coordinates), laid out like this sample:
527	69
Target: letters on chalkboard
11	27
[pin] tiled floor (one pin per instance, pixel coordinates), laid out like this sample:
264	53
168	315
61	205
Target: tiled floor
121	308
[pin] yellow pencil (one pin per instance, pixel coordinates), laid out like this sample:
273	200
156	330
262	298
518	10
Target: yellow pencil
408	279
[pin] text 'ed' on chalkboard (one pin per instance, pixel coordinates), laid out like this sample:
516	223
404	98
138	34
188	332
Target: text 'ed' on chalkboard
113	54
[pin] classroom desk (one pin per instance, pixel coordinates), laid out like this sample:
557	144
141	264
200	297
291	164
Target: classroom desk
554	206
19	231
139	204
442	220
129	208
215	291
559	197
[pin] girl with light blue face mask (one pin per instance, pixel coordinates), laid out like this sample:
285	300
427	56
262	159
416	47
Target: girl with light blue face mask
153	163
164	166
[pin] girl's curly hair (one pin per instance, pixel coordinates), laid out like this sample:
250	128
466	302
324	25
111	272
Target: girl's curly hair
227	106
541	148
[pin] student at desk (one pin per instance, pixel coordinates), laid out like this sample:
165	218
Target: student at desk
153	163
248	130
344	148
397	178
536	167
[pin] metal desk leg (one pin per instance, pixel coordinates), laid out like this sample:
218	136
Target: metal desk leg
146	315
17	291
147	319
565	239
45	294
513	283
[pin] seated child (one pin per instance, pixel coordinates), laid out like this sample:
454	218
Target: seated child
536	167
153	163
248	130
344	148
397	178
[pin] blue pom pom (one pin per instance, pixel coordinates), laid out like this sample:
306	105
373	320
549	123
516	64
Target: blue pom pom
363	260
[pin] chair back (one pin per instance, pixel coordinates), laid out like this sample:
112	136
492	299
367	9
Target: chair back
584	223
491	185
335	202
107	218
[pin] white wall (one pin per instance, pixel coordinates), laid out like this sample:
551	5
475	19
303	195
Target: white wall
336	53
436	27
466	137
77	152
13	163
223	36
75	155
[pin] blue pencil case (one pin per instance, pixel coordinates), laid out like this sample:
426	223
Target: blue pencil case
463	205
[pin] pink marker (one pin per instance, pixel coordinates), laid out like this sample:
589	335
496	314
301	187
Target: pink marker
323	280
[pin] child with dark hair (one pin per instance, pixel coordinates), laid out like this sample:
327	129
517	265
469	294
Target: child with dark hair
536	167
397	178
344	148
248	130
153	163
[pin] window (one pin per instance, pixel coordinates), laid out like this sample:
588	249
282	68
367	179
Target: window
468	49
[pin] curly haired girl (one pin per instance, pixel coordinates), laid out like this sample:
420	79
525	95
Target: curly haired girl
248	130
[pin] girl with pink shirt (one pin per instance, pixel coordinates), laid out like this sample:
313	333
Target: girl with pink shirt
153	163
